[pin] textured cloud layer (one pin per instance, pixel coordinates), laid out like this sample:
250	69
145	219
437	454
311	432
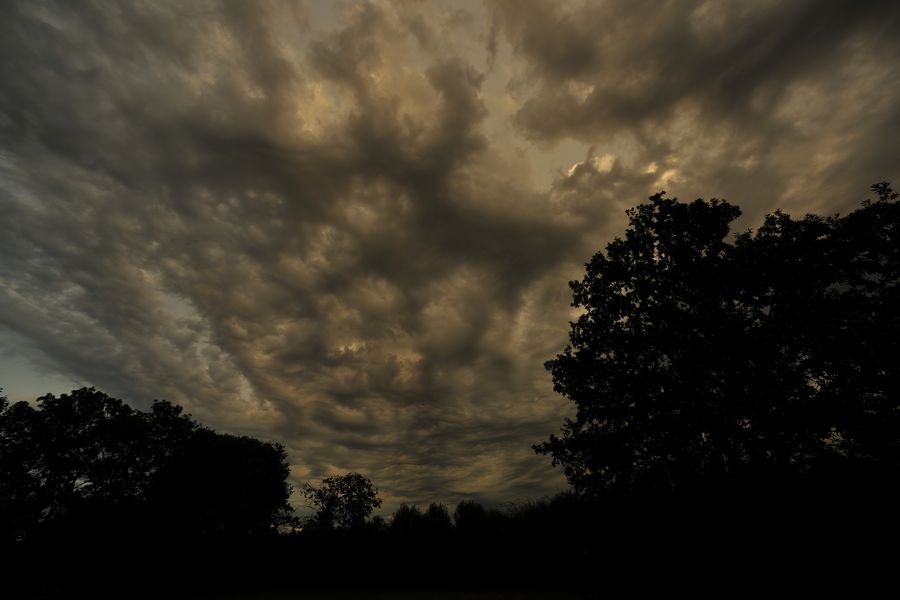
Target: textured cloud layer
349	227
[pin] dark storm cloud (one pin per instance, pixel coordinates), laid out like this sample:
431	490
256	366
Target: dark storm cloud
641	60
776	90
318	224
287	232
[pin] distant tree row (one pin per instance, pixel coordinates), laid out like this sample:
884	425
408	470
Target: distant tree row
347	501
430	547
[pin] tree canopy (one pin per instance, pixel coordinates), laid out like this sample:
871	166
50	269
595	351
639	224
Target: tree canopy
342	500
85	459
700	355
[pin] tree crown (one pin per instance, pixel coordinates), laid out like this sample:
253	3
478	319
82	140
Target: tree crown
696	355
342	500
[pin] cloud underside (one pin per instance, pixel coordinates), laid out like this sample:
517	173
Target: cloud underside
326	225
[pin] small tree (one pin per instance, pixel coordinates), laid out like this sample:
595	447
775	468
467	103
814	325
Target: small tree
342	500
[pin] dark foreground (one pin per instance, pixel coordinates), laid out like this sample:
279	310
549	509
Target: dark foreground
394	594
756	538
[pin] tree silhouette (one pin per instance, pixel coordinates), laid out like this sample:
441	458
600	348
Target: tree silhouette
218	483
342	500
87	461
20	485
697	357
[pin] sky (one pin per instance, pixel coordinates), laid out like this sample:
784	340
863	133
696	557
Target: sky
349	227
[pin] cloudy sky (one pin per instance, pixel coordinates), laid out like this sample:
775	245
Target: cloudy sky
349	226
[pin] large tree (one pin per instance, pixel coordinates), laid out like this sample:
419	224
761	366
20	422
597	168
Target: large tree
87	460
700	355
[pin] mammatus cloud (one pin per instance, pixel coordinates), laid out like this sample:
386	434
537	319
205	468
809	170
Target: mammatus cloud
349	227
772	104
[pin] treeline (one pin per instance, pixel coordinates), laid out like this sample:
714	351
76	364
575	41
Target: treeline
749	535
93	492
100	500
471	547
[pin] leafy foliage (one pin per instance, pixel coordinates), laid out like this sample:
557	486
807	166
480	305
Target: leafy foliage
698	357
87	460
342	500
